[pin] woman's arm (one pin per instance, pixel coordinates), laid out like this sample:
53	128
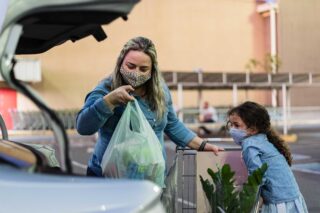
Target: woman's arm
94	113
99	107
175	129
183	136
199	143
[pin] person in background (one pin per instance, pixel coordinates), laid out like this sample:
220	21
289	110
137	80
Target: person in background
249	126
136	75
207	115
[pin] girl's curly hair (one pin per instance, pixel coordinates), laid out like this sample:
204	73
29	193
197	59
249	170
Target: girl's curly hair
256	116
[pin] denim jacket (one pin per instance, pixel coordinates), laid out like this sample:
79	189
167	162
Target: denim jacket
96	116
279	184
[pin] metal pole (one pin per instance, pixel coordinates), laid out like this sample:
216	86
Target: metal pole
219	140
4	130
200	81
180	101
289	105
273	42
284	109
234	95
274	98
273	37
200	103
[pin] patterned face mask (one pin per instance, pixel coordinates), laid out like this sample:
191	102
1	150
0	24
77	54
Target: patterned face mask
134	78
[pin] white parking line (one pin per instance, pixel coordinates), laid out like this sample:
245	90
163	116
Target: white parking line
300	157
90	150
190	204
305	170
313	168
82	166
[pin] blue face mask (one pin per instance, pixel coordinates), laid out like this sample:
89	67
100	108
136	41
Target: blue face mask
238	135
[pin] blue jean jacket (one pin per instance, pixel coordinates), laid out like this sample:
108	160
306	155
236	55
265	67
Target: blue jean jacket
279	184
96	116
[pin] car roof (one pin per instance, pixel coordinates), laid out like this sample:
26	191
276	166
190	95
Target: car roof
48	23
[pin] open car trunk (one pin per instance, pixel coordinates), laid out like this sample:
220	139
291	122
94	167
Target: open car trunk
33	27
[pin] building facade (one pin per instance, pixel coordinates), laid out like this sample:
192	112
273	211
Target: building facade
214	36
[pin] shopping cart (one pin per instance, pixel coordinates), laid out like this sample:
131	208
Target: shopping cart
183	192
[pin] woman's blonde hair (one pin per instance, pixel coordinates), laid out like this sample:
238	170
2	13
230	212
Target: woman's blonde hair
154	92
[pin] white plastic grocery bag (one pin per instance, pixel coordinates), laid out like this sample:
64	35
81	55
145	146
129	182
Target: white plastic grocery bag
134	150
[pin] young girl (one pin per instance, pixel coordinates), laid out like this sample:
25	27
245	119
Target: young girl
249	126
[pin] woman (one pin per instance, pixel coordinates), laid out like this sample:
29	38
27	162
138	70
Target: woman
136	74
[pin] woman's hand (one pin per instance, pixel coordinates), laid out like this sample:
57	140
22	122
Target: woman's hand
215	149
119	96
196	142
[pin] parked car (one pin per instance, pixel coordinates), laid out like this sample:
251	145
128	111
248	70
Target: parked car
29	182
